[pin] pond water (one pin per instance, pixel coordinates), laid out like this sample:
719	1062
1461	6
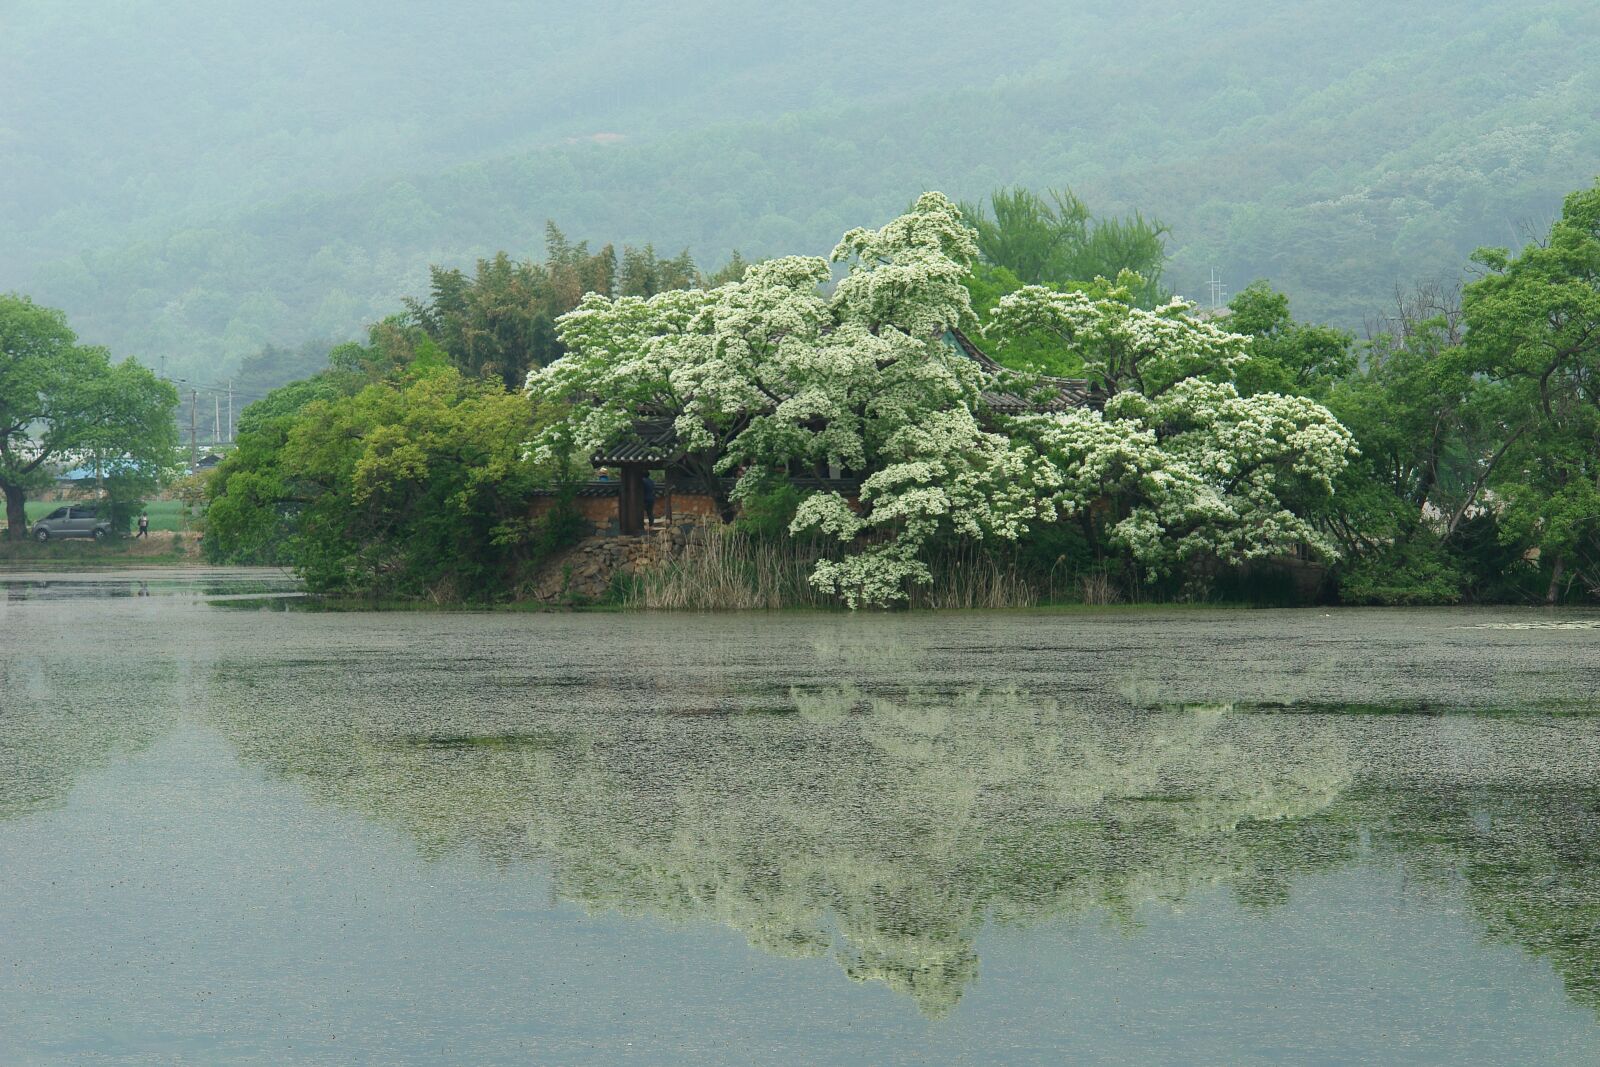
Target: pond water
235	832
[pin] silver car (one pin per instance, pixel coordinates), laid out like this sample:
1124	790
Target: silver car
74	520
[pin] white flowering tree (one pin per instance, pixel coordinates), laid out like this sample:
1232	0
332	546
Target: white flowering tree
771	374
1178	469
768	373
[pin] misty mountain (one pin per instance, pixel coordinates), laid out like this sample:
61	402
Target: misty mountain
198	180
114	114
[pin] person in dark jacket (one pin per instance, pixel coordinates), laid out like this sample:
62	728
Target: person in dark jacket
649	500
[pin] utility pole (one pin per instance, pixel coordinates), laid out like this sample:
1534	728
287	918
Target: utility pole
194	437
1216	290
216	418
230	411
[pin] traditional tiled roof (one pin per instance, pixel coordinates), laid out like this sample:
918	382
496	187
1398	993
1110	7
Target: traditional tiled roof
693	487
652	441
846	486
585	489
1051	393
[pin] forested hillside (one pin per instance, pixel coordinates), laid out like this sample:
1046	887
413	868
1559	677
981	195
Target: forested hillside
292	176
140	116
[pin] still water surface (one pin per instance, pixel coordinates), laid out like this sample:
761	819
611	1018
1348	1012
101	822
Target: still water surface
231	832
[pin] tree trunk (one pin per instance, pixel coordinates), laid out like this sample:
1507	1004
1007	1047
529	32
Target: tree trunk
16	511
704	471
1554	592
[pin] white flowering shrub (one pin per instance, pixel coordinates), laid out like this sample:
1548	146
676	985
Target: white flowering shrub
771	373
1178	468
1122	347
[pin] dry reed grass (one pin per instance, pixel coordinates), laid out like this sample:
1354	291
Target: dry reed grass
969	578
724	569
1099	589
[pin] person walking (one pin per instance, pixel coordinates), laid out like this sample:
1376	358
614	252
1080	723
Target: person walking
144	526
649	500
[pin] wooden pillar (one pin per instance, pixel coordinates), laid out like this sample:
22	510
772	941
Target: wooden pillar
630	499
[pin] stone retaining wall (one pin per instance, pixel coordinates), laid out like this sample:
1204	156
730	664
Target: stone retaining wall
585	572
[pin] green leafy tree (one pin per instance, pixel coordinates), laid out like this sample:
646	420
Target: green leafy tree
498	322
394	347
732	271
251	506
414	485
1053	239
1286	356
1534	328
1423	420
1408	406
643	273
62	402
1178	471
422	490
131	433
988	285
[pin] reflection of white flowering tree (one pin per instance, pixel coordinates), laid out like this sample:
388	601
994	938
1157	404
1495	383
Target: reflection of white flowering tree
1178	467
822	807
882	829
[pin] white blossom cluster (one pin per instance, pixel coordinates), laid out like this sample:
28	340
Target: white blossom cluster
1186	467
1123	347
768	372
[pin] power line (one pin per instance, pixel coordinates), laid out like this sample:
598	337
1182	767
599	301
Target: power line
1217	292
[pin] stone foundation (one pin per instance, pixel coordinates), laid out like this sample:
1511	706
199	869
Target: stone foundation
585	572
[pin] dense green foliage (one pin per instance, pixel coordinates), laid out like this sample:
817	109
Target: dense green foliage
1450	456
500	321
1338	148
1533	328
404	481
1052	239
63	404
1475	411
1479	422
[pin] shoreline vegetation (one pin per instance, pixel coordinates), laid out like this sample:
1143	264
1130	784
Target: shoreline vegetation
160	549
1096	441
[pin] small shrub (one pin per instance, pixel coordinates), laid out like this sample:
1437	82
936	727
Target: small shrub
1417	570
